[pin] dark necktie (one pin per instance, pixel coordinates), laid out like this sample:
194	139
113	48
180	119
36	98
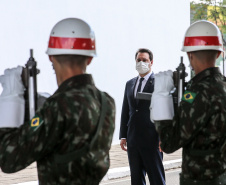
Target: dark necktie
139	87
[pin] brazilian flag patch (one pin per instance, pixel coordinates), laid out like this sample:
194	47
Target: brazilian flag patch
36	122
189	96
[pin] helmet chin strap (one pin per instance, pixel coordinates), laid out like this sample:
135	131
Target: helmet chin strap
189	56
190	59
218	54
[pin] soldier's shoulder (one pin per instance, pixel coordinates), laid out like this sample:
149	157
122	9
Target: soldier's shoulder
109	98
50	100
54	97
199	92
55	100
208	87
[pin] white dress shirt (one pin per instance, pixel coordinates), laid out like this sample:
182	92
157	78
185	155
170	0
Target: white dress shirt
146	77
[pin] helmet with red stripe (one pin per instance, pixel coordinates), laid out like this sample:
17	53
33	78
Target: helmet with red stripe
202	35
72	36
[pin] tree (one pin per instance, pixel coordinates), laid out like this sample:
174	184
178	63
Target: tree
210	10
198	11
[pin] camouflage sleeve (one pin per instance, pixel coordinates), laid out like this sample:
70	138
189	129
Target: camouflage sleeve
187	122
19	147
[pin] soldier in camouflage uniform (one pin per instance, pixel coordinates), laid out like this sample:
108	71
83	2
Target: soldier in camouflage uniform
199	124
64	137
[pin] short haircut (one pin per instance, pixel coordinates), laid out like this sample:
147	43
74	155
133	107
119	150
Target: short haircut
144	50
71	60
206	55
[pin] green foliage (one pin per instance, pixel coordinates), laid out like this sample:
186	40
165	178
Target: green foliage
199	11
222	12
216	12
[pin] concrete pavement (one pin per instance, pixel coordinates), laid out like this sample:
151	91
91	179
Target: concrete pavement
119	168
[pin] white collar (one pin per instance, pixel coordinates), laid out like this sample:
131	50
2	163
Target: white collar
146	77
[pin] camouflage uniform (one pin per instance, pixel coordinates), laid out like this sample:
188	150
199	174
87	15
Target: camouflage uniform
199	126
66	122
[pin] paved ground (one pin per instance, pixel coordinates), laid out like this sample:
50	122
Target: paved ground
172	178
117	156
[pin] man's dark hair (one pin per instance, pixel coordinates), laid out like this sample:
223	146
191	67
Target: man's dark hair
71	60
144	50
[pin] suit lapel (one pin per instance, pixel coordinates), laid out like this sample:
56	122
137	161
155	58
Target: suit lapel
134	85
149	86
132	89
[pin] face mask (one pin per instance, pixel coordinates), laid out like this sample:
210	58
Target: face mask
142	67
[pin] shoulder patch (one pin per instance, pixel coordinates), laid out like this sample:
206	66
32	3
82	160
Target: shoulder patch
189	96
36	122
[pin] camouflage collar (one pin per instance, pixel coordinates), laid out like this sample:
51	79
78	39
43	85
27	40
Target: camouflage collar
78	80
205	73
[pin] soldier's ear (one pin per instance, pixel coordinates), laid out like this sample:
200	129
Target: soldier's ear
89	60
50	58
189	55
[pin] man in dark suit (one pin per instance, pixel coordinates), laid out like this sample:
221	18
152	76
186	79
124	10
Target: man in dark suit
137	133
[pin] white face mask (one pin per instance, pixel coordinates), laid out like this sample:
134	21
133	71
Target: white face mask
142	67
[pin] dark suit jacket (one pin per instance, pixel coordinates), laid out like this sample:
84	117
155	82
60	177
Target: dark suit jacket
136	126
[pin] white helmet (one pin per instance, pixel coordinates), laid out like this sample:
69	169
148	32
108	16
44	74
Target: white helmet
202	35
72	36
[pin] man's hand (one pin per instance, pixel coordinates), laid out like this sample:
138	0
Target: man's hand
12	100
11	82
123	144
160	146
